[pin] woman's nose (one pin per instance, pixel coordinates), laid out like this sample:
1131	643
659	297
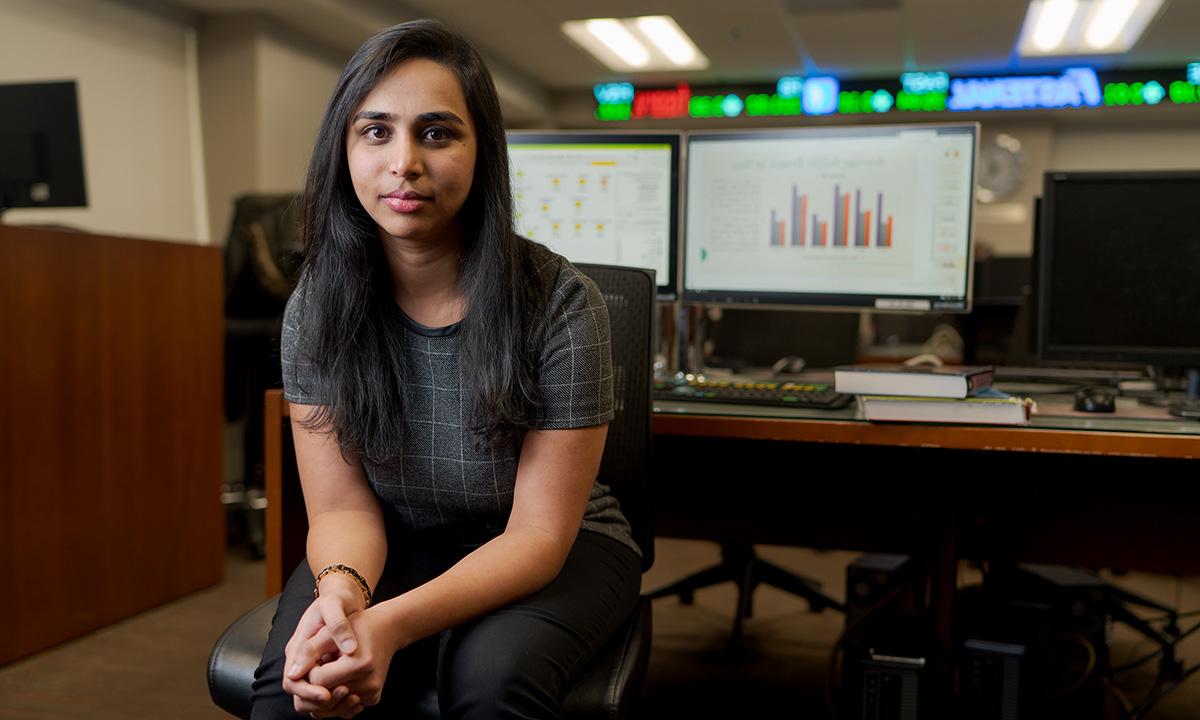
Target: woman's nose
407	160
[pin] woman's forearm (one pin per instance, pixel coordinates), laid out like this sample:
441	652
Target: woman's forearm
509	567
349	537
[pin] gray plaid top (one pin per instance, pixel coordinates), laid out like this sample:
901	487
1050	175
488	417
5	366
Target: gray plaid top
442	476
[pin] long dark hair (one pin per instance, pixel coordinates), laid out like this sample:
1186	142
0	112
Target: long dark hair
348	301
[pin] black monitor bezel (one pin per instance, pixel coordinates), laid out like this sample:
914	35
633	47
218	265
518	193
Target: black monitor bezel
1049	350
668	287
52	105
839	301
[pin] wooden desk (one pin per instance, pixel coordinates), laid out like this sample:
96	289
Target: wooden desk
1114	437
1046	492
1112	492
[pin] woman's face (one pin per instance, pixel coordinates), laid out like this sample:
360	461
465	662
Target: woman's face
411	151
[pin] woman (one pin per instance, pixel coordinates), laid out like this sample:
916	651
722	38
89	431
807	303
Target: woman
450	388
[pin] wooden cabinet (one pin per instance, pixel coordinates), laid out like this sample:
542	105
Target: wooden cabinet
111	414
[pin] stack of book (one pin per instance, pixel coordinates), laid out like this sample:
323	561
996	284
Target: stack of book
923	393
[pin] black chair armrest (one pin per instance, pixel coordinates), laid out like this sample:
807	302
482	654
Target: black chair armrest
610	686
235	657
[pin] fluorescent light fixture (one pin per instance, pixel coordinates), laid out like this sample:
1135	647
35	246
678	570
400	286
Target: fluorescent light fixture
1107	21
1084	27
1115	25
617	39
1052	24
668	38
650	43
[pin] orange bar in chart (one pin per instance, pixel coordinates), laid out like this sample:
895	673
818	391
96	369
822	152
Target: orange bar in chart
867	229
803	217
846	219
889	232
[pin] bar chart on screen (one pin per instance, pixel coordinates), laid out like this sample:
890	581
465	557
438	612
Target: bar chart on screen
829	214
860	228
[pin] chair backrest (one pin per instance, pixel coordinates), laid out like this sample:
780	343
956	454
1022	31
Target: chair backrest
630	296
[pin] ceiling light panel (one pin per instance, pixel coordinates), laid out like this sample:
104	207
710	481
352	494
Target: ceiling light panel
1084	27
641	44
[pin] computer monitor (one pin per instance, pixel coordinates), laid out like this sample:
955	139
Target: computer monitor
1119	259
601	197
41	157
875	217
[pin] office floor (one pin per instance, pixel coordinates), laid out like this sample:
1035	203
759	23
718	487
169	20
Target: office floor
152	666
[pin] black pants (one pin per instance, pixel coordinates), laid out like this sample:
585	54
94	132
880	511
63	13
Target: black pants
515	662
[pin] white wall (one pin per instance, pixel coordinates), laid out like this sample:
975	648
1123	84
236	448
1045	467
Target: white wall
263	91
131	69
229	111
1005	227
1144	148
295	80
1157	143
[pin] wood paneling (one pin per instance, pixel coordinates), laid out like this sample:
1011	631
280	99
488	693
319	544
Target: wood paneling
111	422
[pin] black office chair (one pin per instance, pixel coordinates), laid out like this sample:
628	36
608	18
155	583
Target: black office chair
263	253
609	687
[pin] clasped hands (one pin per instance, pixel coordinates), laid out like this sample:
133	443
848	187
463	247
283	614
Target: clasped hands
337	659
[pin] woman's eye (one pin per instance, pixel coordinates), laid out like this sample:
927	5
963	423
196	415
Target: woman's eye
437	134
375	132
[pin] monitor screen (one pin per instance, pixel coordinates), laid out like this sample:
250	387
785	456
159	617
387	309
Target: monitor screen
852	217
41	157
607	198
1119	259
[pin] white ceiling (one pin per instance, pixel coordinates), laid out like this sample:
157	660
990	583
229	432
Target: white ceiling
745	40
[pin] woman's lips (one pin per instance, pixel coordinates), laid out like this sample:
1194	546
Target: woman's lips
404	204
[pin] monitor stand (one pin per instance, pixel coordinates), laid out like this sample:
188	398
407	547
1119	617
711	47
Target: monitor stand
1190	407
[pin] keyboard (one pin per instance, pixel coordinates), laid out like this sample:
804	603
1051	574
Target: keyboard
748	392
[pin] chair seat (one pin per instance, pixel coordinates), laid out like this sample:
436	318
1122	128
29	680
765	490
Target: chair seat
608	688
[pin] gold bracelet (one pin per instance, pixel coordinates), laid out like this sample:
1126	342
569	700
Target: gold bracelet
344	570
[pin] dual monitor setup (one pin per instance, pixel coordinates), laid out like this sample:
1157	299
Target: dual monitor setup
873	218
843	218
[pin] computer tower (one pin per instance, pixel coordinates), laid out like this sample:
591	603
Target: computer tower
870	578
886	640
891	687
992	679
1035	645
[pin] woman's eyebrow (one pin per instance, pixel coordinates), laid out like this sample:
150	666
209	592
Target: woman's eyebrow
440	116
375	115
433	116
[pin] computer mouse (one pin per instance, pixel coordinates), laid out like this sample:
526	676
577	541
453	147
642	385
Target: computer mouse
1096	400
788	365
